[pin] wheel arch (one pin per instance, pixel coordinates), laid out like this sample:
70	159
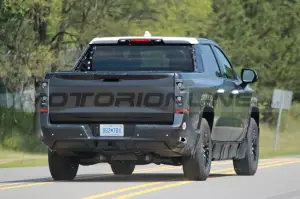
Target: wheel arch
208	114
255	115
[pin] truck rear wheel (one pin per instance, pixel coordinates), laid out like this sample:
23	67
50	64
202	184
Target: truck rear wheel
197	167
61	168
248	165
120	168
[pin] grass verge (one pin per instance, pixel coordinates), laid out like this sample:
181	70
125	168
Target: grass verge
10	159
288	141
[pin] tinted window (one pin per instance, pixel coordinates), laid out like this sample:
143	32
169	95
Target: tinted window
142	58
226	67
209	61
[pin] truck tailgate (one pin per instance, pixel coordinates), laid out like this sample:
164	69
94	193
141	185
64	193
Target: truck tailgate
121	97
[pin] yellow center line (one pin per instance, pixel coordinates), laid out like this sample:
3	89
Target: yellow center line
272	165
148	169
183	183
168	168
164	168
133	188
155	183
136	171
123	190
25	185
10	184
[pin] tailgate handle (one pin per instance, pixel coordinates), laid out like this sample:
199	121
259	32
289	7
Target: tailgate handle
111	80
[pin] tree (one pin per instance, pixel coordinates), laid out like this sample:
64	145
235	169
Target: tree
261	35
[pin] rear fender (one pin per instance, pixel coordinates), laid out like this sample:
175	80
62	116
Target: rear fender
253	113
206	112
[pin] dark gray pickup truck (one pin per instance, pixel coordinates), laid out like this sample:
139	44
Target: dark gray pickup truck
139	100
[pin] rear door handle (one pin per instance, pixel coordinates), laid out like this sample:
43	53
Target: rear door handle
235	92
221	90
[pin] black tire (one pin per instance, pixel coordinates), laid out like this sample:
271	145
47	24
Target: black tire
197	167
248	165
120	168
61	168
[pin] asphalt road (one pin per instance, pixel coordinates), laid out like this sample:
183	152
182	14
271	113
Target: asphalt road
276	179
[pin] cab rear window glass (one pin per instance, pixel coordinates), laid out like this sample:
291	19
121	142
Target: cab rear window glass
142	58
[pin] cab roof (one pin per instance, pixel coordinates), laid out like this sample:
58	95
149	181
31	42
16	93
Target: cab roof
147	35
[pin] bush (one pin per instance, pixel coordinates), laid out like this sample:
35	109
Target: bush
13	120
16	131
12	142
25	143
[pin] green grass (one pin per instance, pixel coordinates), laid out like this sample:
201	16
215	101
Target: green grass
10	159
25	163
288	141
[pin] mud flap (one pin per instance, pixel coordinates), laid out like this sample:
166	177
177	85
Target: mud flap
242	148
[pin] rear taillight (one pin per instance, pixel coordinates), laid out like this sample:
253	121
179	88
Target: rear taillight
186	110
44	84
181	95
178	94
44	110
44	98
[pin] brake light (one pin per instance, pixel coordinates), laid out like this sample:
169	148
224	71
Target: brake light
186	110
44	110
140	40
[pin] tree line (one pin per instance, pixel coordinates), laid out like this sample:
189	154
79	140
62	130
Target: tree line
257	34
36	35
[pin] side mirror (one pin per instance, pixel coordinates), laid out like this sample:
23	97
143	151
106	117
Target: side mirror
248	76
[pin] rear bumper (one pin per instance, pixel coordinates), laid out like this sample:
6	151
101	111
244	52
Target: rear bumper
164	140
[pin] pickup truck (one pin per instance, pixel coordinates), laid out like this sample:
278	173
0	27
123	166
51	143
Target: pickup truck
139	100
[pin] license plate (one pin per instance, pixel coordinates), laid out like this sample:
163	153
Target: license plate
111	130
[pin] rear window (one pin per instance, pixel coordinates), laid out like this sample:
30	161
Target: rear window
142	58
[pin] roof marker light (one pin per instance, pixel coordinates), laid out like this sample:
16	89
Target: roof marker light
147	34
